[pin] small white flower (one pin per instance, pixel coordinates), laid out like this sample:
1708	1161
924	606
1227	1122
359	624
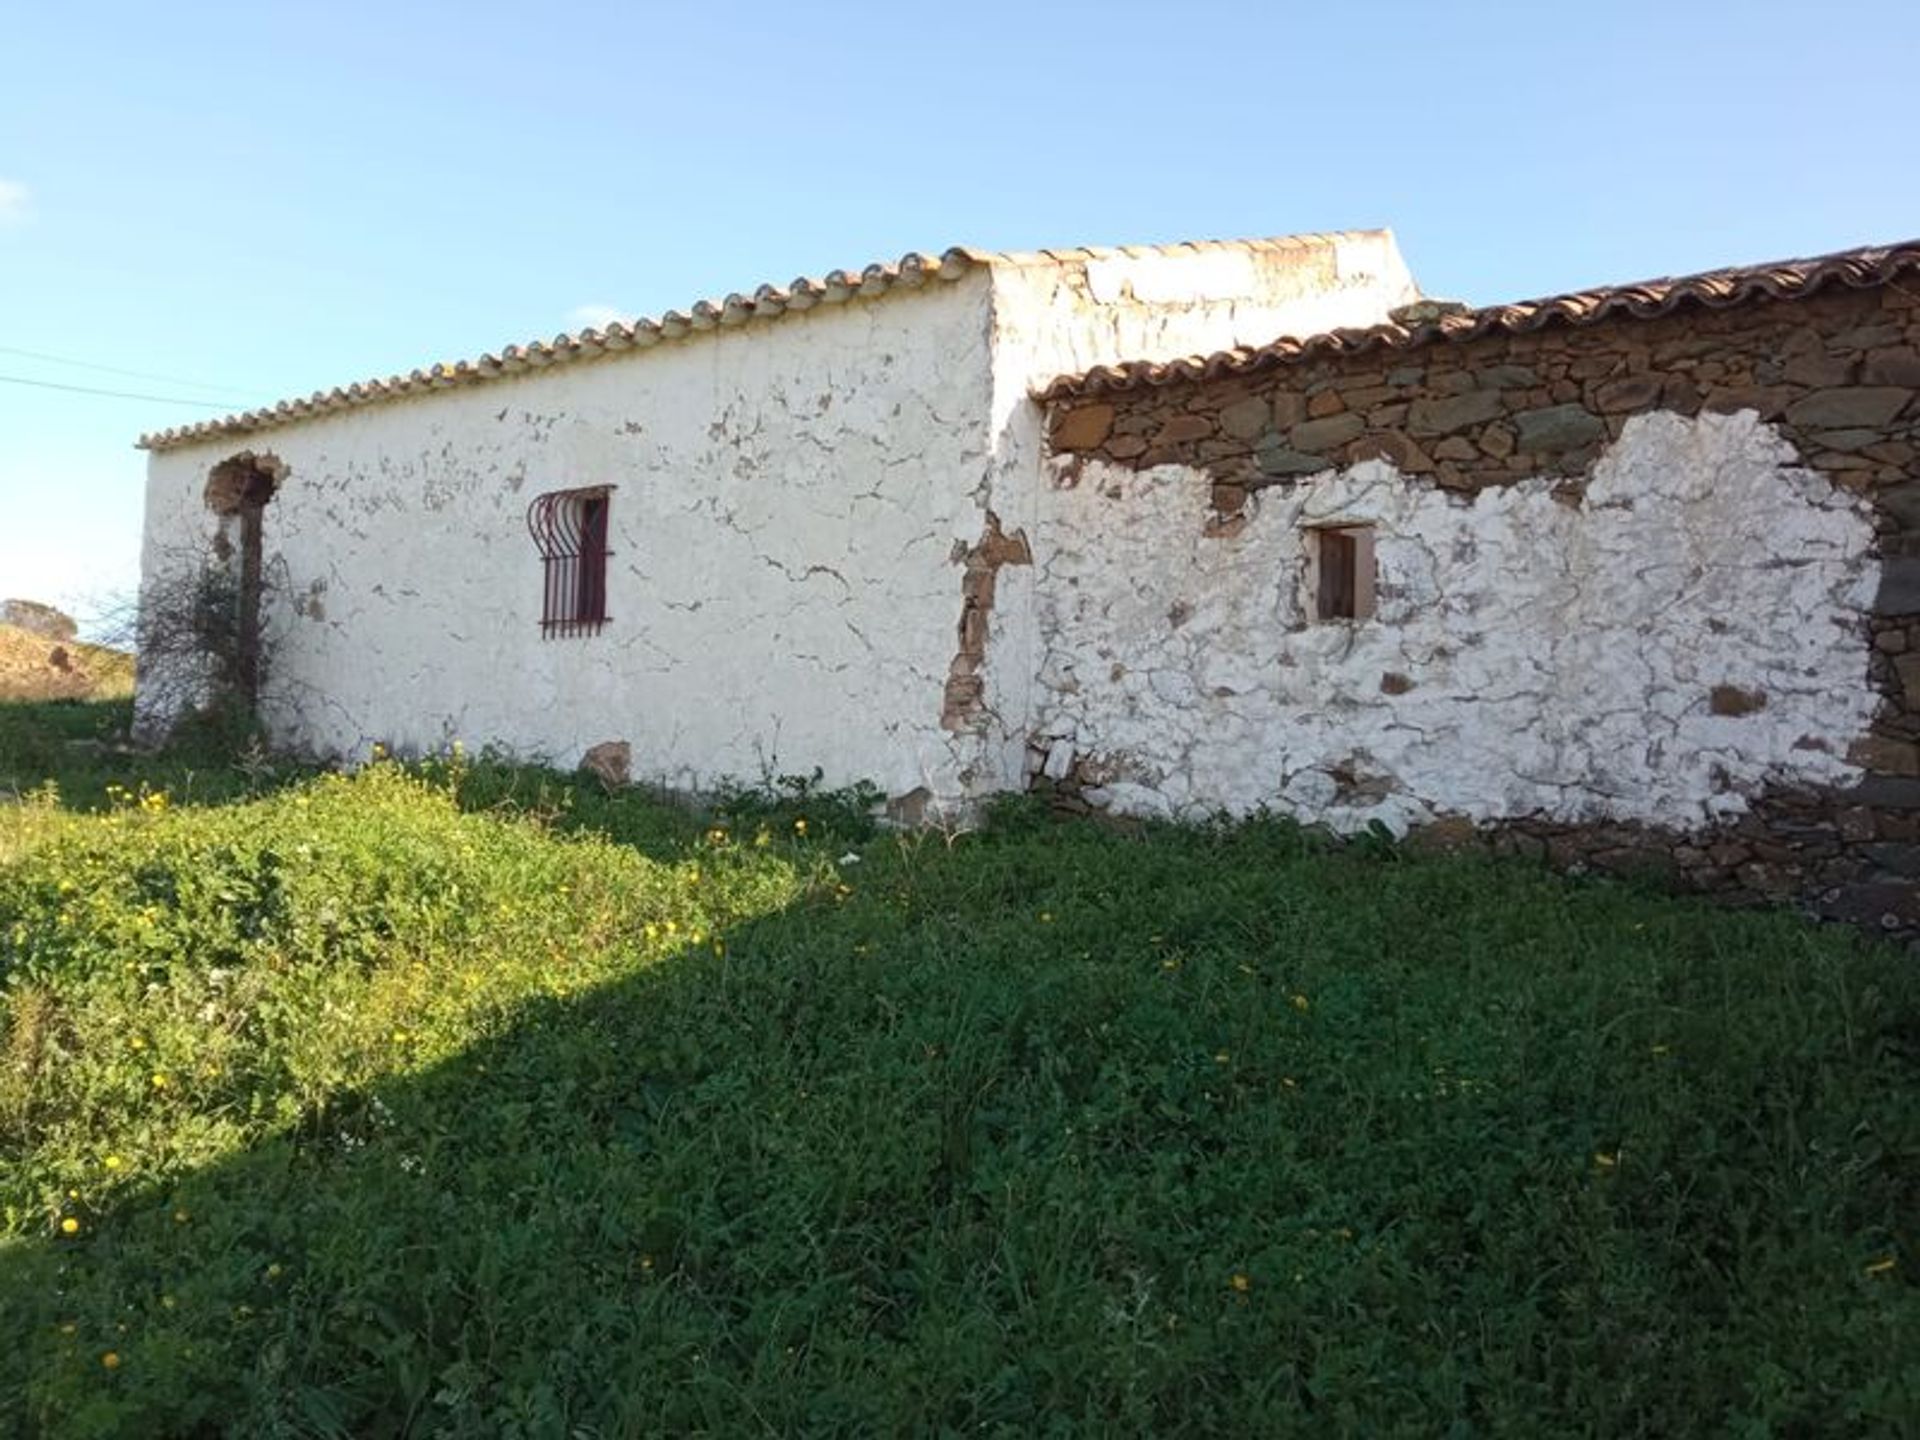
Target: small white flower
849	859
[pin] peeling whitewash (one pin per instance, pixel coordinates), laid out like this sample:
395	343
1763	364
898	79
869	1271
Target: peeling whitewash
791	499
779	585
1051	321
1561	657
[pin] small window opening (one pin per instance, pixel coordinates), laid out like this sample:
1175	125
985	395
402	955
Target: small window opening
1343	572
571	529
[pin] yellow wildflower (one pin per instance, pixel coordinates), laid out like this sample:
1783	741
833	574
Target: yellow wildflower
69	1226
114	1162
1241	1283
160	1081
111	1360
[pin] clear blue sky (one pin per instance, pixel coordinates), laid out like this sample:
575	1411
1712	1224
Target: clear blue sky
272	199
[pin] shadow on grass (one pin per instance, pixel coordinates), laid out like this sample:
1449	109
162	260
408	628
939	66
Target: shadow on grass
1060	1132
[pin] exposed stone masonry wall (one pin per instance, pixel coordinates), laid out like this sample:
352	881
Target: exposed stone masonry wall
1837	375
965	695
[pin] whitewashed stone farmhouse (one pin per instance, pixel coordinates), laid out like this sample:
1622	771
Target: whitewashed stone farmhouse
790	484
1628	578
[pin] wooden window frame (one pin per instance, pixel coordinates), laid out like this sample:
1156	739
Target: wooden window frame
1342	571
572	530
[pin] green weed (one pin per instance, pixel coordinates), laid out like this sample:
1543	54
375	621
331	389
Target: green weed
463	1099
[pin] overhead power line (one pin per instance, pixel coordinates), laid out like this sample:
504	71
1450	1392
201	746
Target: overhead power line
116	394
130	374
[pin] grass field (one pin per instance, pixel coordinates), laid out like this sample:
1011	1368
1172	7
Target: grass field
463	1100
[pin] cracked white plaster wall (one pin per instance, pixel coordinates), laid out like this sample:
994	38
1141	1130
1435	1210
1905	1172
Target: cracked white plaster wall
790	499
782	598
1051	320
1561	659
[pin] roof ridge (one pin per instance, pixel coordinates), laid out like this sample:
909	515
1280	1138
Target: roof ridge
911	271
1860	268
1250	244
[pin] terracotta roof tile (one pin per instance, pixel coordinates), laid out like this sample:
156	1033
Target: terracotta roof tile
910	272
1427	323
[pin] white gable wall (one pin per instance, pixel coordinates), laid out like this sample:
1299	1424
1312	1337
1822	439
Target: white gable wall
1149	305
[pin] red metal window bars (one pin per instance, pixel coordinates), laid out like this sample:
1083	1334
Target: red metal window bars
570	527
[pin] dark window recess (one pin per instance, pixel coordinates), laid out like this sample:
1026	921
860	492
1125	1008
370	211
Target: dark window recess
1345	566
571	528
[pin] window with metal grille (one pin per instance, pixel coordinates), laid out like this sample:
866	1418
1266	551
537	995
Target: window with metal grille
571	529
1343	572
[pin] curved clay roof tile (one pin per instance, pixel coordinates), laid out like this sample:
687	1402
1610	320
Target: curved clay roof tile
1645	300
